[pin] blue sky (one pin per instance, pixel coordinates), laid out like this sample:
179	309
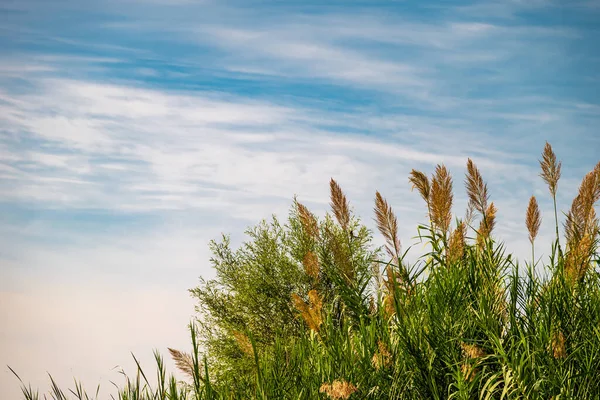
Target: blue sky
134	131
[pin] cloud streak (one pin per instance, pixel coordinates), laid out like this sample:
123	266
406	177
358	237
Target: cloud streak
127	143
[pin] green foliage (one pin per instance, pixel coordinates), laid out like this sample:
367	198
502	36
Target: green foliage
310	310
252	291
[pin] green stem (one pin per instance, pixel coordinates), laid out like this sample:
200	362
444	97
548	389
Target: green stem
556	225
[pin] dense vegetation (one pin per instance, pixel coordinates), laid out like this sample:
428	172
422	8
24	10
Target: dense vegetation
310	309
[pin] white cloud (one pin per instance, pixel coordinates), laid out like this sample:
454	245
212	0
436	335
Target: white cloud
200	162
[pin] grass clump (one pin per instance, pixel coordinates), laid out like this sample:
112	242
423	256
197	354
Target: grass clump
310	309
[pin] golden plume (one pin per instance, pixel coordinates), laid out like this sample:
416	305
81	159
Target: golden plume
381	357
311	264
183	361
582	227
476	188
472	350
308	221
578	259
420	181
472	353
388	225
533	219
244	343
581	219
550	168
558	345
339	204
487	224
311	311
441	198
456	244
338	390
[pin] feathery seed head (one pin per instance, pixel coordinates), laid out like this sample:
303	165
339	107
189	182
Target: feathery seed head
338	390
339	204
381	357
533	219
441	198
456	244
550	168
244	343
469	214
316	303
388	305
311	265
308	221
472	350
183	361
578	259
387	225
487	224
581	218
468	371
420	181
476	188
376	361
311	312
558	345
372	307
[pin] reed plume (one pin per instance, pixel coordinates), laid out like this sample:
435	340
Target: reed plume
456	244
580	221
387	224
393	279
582	209
420	181
469	214
339	204
338	390
581	225
382	357
533	220
578	259
550	168
183	361
487	224
472	352
441	199
558	345
243	343
388	305
551	174
311	311
308	221
311	265
476	188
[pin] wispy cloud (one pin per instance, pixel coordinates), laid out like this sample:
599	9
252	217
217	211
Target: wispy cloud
128	141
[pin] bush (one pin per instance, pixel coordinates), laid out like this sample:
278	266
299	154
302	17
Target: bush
311	310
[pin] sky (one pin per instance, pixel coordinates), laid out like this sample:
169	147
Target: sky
132	132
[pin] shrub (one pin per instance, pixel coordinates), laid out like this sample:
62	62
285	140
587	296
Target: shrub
310	309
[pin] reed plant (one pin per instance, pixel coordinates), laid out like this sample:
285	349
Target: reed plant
311	310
